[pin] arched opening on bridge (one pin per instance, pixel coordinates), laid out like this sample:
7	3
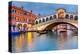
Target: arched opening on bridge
75	17
47	19
54	16
36	22
39	21
50	17
71	17
43	20
67	16
51	26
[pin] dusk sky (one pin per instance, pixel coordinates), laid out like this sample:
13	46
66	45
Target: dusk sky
45	8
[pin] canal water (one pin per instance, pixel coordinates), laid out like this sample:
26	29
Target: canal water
32	41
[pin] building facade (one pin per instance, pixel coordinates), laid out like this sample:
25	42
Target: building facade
20	18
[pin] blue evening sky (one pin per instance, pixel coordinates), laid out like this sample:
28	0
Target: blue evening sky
45	8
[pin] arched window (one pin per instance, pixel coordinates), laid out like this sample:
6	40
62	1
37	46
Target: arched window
17	19
43	20
19	26
50	17
36	22
39	21
71	16
76	18
24	27
54	16
67	16
47	19
13	11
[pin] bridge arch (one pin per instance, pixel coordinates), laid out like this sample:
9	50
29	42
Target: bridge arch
47	19
36	22
71	17
40	21
50	26
50	17
75	17
67	16
43	20
54	16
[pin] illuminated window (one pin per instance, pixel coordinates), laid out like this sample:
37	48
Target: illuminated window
17	19
23	19
20	19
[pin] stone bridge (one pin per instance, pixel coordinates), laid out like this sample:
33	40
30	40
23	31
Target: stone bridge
52	23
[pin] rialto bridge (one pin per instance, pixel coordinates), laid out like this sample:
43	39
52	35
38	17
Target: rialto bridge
48	22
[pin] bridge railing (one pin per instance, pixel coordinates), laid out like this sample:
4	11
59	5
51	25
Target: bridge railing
46	20
54	16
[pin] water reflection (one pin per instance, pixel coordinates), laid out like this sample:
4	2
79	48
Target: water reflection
32	41
29	40
62	39
19	42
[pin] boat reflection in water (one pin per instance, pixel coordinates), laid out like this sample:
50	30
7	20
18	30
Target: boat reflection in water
32	41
